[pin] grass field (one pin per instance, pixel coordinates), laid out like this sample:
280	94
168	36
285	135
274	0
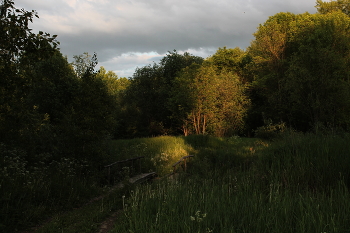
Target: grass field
298	183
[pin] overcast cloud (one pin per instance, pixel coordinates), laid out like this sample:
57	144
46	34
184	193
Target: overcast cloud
127	34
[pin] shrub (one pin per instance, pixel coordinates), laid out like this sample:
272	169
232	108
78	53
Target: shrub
270	130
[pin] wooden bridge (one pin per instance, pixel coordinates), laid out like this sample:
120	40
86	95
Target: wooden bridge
136	175
182	162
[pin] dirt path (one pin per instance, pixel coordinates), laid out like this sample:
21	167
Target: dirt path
108	224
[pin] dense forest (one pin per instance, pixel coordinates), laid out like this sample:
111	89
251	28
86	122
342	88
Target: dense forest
294	75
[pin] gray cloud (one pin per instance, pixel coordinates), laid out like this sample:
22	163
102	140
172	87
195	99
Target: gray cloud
127	33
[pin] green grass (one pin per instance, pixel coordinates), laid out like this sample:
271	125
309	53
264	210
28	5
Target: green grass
233	204
298	183
162	152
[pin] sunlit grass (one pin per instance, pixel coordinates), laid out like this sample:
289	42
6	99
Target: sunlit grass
296	184
160	152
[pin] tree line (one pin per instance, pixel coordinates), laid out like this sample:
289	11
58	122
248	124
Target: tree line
295	71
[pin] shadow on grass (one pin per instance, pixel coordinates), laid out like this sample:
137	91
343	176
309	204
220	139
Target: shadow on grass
222	154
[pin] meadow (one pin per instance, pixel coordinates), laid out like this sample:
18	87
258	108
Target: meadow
298	183
294	183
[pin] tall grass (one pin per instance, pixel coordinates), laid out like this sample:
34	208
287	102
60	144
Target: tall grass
296	184
309	161
233	205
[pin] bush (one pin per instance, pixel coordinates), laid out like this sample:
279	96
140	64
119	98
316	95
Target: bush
270	130
30	192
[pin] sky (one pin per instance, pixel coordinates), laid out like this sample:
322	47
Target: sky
126	34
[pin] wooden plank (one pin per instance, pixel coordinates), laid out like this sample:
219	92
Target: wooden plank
142	177
185	157
177	163
123	161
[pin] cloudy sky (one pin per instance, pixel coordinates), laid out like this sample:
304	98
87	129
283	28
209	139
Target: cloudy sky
127	34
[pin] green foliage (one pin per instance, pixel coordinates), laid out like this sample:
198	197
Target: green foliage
91	121
228	59
322	61
117	90
205	100
81	63
115	84
16	36
182	98
53	125
53	85
32	191
56	120
270	130
333	5
22	123
301	75
268	54
143	101
173	63
147	97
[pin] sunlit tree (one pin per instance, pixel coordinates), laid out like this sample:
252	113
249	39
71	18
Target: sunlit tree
324	7
300	69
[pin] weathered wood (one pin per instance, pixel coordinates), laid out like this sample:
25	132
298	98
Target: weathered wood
124	161
183	159
175	164
145	176
142	177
